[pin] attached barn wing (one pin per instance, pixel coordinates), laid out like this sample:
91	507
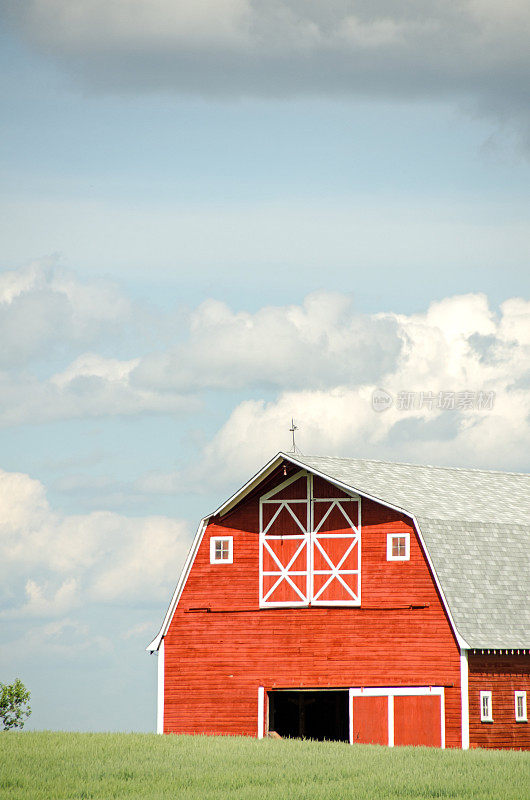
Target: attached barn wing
309	546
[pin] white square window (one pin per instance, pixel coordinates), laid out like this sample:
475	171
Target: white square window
520	707
398	547
486	712
221	550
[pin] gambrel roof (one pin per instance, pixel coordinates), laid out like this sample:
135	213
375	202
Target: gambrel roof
474	525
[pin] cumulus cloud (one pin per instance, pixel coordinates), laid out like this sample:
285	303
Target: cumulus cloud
49	316
319	348
91	386
471	50
458	346
44	307
50	563
321	342
41	601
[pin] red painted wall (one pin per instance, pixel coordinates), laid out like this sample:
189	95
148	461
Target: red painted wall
503	675
215	661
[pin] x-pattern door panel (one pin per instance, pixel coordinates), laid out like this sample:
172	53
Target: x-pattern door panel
309	547
335	549
284	546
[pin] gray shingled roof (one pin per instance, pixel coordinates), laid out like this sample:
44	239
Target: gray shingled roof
476	526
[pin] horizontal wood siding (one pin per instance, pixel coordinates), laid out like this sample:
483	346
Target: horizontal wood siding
215	660
502	675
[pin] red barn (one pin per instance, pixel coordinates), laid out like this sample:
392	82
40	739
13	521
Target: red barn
353	600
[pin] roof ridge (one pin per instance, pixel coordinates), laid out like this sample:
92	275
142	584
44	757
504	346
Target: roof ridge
411	464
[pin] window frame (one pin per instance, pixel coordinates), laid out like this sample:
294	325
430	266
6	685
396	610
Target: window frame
524	717
489	716
389	542
213	542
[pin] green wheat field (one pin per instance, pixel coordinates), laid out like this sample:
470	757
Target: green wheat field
79	766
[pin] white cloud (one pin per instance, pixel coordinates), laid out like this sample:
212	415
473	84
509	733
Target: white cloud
91	386
13	283
514	325
44	308
322	345
44	601
319	343
48	316
90	365
457	345
61	561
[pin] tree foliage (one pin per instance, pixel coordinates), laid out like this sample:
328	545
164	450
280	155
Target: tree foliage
14	704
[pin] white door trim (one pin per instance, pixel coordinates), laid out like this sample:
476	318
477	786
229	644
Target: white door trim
160	689
261	712
398	691
464	697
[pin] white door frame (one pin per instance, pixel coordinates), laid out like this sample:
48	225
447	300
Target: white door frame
398	691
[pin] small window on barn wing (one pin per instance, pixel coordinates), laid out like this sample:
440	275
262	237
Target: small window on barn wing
221	550
486	712
398	547
520	707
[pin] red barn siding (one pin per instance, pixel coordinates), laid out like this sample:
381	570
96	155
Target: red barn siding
215	661
503	675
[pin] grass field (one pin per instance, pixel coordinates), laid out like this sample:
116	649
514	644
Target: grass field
77	766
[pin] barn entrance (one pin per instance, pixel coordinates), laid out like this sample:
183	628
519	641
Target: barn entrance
320	715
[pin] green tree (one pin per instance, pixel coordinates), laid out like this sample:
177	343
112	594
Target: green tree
14	704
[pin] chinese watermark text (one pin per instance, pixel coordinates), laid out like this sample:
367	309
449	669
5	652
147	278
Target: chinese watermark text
442	401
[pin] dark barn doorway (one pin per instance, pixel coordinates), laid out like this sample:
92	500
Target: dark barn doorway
320	715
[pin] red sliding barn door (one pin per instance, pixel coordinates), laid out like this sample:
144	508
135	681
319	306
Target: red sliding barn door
400	715
309	545
369	720
417	721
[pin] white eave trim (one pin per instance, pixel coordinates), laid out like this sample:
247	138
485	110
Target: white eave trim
246	489
155	644
251	484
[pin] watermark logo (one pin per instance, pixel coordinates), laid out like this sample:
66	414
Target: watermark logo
442	401
381	400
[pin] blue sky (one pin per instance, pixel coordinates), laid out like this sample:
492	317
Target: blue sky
214	219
